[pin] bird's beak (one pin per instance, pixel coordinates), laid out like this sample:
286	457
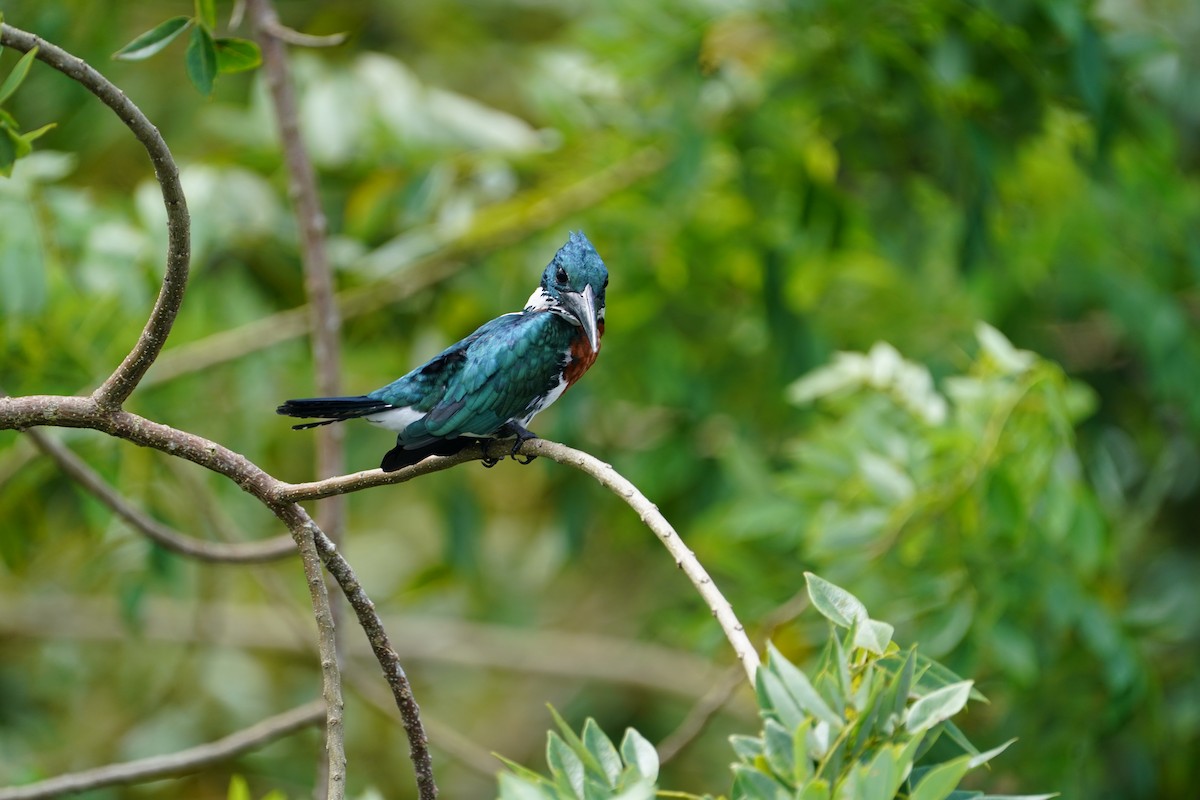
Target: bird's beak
582	306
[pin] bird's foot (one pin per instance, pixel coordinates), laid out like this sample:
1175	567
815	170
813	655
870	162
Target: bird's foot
489	460
522	435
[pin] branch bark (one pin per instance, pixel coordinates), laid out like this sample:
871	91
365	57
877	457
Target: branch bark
182	762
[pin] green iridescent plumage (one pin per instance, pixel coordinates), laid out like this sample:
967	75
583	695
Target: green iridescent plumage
495	380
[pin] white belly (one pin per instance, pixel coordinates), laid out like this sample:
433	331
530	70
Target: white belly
554	394
395	419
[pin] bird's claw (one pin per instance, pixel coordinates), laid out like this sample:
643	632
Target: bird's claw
515	453
488	459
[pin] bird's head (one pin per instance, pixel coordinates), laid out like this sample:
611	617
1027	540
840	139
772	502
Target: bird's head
573	287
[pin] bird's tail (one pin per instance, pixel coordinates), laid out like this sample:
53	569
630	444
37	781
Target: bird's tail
330	409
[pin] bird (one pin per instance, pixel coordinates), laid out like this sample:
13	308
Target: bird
492	383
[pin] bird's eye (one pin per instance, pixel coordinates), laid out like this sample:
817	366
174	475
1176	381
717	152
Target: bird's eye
605	286
561	275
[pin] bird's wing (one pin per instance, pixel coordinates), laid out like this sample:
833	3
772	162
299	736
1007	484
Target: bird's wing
513	361
424	387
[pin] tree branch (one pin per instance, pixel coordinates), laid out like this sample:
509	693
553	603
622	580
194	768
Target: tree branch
181	763
606	476
83	412
121	383
410	713
167	537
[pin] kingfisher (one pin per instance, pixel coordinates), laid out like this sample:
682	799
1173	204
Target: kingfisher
495	381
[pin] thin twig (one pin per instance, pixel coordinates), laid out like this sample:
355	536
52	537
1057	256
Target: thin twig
167	537
182	762
698	717
291	36
121	383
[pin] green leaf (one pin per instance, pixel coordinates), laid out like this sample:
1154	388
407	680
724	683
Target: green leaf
801	689
605	752
237	55
521	770
773	696
777	741
747	748
153	40
17	75
8	150
39	133
940	781
753	784
935	676
576	743
898	692
937	706
959	738
979	759
873	636
835	603
802	767
640	754
565	766
882	776
513	787
206	12
201	60
817	790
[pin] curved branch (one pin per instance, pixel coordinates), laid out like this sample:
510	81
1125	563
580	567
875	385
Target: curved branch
165	536
181	763
685	559
121	383
606	476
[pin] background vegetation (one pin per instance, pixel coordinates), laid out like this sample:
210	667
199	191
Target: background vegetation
770	183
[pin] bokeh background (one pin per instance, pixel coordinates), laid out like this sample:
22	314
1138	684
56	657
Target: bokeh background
772	183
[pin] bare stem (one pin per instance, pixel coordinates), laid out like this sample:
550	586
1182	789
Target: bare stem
121	383
182	762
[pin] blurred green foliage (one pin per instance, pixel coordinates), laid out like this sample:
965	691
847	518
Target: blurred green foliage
771	184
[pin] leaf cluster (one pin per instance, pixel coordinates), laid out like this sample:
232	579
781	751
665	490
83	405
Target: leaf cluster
13	143
207	54
863	727
586	766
